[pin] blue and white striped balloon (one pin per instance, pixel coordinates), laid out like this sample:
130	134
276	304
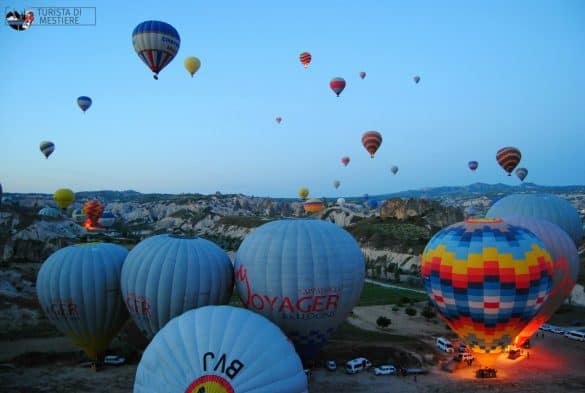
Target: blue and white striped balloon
156	43
84	102
166	275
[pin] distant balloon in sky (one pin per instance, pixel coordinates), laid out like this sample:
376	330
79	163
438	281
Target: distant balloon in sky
278	119
303	275
305	59
313	205
337	85
220	349
47	148
394	170
416	79
371	141
473	165
192	64
78	288
545	206
156	43
362	74
336	183
93	210
166	275
64	197
345	160
303	192
508	158
521	173
565	260
84	103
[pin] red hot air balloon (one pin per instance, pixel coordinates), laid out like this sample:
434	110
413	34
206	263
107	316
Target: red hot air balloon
345	160
362	74
93	210
508	158
371	141
305	58
278	119
337	85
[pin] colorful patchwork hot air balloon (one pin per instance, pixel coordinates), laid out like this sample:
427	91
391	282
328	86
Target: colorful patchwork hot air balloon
362	74
473	165
166	275
487	279
313	205
565	260
394	170
336	183
305	59
156	43
220	349
371	141
345	160
508	158
64	197
337	85
521	173
192	65
47	148
78	288
93	210
303	275
303	193
84	103
546	206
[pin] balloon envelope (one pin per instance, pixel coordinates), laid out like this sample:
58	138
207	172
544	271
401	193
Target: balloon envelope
305	59
166	275
362	74
336	183
473	165
394	170
337	85
371	141
84	102
49	212
156	43
345	160
47	148
508	158
565	258
192	65
313	205
220	349
303	275
303	192
521	173
78	288
487	279
107	219
416	79
278	119
93	210
341	201
545	206
64	197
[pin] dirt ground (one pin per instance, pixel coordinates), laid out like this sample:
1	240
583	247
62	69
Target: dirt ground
556	364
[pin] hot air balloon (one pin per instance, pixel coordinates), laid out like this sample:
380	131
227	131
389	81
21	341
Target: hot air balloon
78	288
49	212
278	119
521	173
416	79
565	260
473	165
107	219
79	216
336	183
303	275
372	141
487	280
84	103
93	210
508	158
303	193
220	349
337	85
394	170
341	201
372	203
305	59
313	205
345	160
192	64
362	74
166	275
156	43
47	148
546	206
64	197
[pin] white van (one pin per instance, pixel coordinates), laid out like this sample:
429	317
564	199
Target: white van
444	345
356	365
575	335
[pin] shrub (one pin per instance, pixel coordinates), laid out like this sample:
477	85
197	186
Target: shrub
410	311
395	308
429	312
383	321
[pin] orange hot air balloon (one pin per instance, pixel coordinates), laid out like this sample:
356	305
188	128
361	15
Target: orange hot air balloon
305	58
508	158
93	210
372	141
313	205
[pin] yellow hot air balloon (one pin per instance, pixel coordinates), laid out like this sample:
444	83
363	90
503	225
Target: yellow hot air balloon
64	197
303	193
192	64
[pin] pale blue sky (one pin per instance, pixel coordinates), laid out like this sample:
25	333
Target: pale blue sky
494	74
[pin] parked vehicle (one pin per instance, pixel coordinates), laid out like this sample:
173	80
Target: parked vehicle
385	369
331	365
114	360
486	373
356	365
444	345
557	330
466	356
575	335
463	348
514	354
545	328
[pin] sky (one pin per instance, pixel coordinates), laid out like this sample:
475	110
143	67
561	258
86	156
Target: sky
493	74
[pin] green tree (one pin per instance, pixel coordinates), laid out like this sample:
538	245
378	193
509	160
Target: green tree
383	322
410	311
